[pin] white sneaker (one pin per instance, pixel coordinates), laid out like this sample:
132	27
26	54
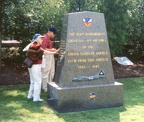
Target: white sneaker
45	90
39	100
29	97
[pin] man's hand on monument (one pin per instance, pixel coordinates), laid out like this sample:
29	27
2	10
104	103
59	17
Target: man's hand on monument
57	51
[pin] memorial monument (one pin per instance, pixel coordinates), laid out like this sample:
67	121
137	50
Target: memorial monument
84	77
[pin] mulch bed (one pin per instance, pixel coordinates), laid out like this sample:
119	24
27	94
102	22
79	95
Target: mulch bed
121	71
13	72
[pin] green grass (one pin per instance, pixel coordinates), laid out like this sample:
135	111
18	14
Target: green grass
14	107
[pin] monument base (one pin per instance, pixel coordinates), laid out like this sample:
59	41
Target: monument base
88	97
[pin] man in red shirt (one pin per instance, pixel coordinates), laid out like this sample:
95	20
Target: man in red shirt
49	70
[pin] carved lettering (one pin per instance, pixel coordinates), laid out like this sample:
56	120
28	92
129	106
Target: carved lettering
90	60
72	61
101	53
81	67
95	66
102	59
101	40
73	54
81	60
93	34
79	34
86	53
75	40
71	34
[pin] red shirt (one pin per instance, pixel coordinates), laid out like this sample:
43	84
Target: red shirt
47	43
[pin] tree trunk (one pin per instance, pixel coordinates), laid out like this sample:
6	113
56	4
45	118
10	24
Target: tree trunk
1	16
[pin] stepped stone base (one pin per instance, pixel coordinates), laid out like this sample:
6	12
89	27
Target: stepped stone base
88	97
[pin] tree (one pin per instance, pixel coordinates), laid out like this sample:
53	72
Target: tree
3	5
80	5
23	18
26	17
136	28
116	22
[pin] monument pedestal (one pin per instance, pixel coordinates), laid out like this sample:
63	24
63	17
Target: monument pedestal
88	97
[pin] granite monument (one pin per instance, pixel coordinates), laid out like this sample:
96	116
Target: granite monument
84	77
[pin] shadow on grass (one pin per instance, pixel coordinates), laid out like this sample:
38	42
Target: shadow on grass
15	106
98	115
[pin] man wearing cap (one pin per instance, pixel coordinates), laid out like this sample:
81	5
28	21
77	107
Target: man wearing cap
49	70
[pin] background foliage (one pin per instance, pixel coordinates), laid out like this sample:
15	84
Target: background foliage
20	19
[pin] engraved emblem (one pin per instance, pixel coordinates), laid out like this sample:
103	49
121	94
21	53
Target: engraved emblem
92	96
87	21
101	74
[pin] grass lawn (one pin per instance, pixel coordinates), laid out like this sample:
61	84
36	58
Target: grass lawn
14	106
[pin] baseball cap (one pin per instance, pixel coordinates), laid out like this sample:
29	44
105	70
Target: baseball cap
36	36
53	29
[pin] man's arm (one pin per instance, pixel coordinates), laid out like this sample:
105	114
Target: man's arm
51	51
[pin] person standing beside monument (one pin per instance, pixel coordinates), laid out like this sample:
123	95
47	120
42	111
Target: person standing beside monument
49	70
35	52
